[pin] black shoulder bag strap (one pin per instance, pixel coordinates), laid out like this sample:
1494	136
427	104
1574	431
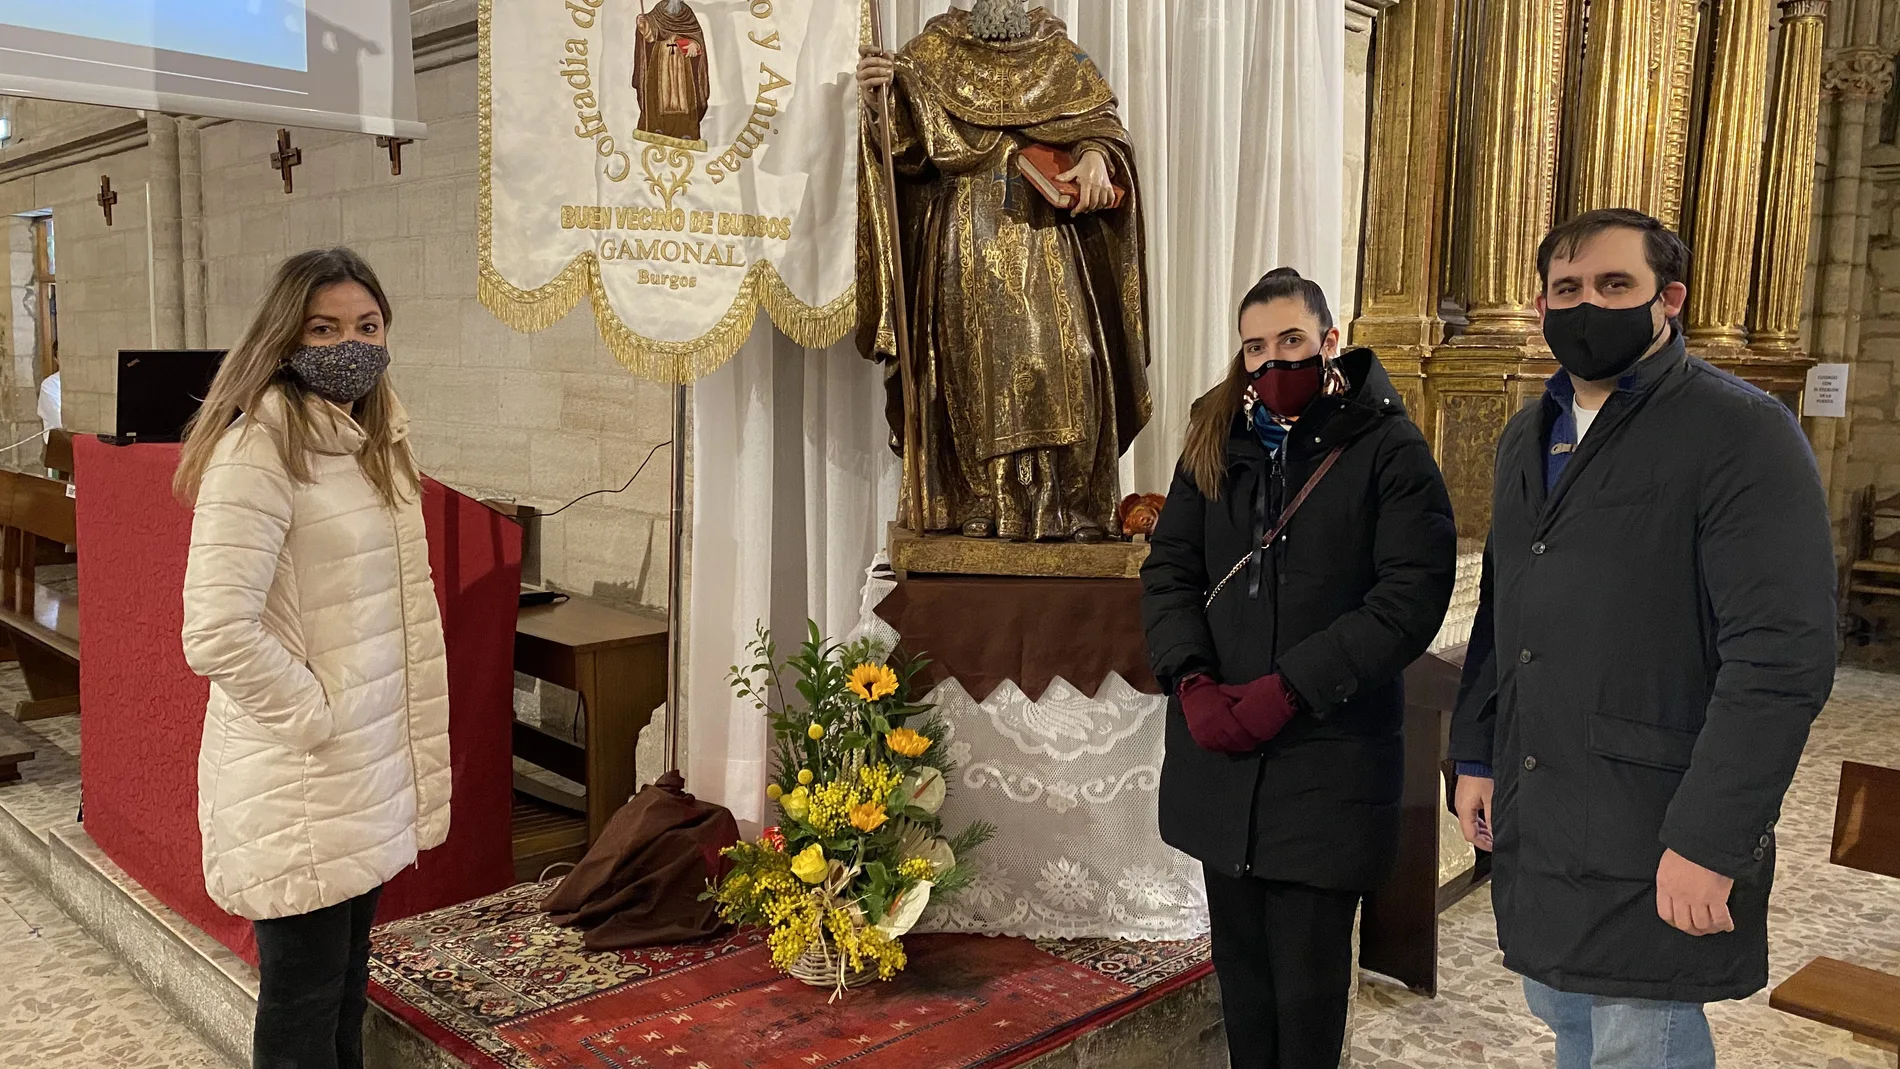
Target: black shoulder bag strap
1286	516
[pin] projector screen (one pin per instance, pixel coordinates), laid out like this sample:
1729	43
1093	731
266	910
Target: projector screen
328	64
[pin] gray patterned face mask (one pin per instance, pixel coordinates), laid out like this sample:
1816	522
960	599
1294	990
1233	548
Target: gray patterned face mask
344	373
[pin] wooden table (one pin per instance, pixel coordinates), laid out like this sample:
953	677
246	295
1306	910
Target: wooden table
617	662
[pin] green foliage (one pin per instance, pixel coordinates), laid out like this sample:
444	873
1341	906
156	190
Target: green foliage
844	791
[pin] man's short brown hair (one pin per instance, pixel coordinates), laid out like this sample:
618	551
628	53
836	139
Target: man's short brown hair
1667	255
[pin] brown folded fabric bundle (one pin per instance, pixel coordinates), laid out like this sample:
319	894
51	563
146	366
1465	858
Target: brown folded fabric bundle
640	884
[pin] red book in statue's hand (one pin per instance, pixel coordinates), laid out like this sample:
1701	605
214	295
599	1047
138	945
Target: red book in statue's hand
1043	164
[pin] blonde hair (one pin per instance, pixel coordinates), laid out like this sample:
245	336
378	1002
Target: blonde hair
255	366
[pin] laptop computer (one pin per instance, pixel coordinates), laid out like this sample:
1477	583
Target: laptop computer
160	390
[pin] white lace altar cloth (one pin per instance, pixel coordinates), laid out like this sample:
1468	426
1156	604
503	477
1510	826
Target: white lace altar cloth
1071	784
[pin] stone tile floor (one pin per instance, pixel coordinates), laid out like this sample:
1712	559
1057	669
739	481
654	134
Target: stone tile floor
65	1003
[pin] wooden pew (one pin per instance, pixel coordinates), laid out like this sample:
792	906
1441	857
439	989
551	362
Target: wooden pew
1398	931
41	623
57	454
1863	1001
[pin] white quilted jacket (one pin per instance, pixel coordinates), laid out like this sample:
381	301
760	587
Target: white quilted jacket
324	767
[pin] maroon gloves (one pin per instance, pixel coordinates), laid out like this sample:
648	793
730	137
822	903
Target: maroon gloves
1236	720
1209	709
1263	707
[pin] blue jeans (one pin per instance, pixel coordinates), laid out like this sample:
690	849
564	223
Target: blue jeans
1623	1033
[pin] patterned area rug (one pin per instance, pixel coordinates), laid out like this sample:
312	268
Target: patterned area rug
493	983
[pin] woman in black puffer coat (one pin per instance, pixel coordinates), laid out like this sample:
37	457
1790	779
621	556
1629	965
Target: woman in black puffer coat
1285	752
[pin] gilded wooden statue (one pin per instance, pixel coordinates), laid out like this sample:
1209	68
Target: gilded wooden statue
1028	339
670	76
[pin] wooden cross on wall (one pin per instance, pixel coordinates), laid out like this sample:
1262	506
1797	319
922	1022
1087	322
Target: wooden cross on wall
106	198
285	157
394	145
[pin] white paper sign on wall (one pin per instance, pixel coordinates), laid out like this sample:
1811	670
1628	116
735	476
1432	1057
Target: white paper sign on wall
1827	391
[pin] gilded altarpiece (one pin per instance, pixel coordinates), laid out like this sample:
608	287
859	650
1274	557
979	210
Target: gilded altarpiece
1492	119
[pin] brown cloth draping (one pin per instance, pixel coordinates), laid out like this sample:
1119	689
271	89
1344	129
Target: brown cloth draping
640	883
981	631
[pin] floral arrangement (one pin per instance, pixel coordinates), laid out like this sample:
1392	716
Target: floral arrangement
859	778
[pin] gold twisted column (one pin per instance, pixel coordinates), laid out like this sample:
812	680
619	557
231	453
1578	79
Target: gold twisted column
1405	194
1630	121
1513	163
1788	199
1675	96
1728	194
1507	172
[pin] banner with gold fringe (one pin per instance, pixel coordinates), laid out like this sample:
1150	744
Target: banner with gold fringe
679	163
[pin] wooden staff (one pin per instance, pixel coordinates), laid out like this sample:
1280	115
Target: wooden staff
913	411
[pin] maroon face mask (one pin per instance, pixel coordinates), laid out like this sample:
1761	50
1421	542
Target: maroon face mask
1286	387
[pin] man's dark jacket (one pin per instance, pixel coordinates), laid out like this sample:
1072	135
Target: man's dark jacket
1655	635
1351	593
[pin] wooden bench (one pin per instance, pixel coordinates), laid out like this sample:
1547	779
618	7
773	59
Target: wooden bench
40	622
1863	1001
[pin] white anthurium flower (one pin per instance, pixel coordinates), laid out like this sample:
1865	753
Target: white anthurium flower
904	913
925	789
940	856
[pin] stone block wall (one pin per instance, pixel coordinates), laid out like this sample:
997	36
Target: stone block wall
539	419
104	283
1873	446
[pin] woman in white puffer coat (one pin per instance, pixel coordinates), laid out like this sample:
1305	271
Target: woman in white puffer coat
309	606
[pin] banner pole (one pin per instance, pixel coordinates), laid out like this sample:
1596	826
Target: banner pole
676	585
913	411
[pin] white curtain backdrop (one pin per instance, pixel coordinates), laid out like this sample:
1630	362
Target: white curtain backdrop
1236	108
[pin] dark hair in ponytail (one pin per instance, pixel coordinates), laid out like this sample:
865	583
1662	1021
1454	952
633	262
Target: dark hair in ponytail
1205	453
1286	282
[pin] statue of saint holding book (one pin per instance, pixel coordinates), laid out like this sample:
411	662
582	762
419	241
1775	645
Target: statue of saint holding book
1023	281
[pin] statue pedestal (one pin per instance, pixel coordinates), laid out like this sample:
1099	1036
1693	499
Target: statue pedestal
912	554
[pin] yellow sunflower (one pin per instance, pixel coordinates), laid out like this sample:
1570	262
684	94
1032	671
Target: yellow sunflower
873	682
907	742
869	817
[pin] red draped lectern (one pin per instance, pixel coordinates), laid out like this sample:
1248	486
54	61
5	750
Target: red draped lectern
143	709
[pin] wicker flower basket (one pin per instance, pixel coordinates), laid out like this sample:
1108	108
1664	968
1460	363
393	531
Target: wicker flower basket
820	966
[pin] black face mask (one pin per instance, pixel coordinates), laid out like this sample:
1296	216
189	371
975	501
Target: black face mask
1595	343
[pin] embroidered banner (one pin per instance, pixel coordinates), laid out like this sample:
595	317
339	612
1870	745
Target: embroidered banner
679	163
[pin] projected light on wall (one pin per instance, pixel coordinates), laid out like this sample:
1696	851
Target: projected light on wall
266	32
337	64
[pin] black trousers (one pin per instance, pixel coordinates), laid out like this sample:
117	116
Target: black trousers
1283	955
313	987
